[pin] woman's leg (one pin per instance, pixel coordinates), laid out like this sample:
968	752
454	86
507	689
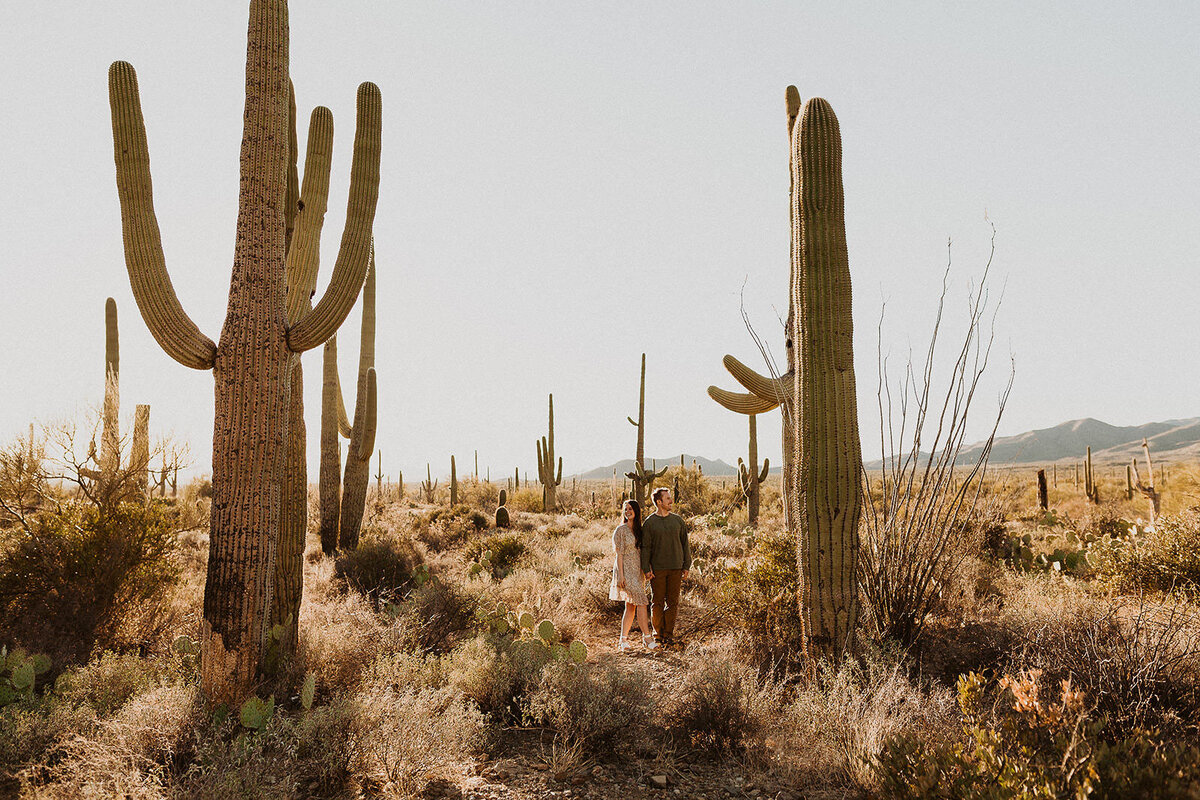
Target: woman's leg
643	621
627	619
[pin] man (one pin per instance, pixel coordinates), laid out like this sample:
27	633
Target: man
666	560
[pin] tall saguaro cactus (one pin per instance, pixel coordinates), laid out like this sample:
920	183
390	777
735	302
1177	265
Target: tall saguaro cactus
822	452
453	483
110	432
641	477
545	455
251	362
749	475
362	435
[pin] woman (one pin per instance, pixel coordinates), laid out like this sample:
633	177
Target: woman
628	582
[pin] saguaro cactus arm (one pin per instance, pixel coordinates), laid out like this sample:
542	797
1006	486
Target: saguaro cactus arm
354	255
152	289
368	434
304	252
741	403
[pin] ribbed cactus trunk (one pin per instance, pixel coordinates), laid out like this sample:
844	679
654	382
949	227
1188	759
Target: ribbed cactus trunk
546	474
750	476
110	431
334	423
362	440
251	363
826	482
139	453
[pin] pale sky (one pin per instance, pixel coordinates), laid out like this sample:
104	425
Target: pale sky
566	185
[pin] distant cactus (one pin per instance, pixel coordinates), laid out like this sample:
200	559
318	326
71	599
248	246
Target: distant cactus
139	451
1090	488
379	476
545	459
453	483
110	433
502	520
251	365
428	486
750	477
642	478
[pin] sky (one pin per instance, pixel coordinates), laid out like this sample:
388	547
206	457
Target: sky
567	185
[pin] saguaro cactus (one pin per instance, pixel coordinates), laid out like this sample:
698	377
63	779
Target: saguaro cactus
251	362
453	483
362	437
429	485
110	431
822	452
642	478
139	452
750	478
379	475
333	423
502	518
545	456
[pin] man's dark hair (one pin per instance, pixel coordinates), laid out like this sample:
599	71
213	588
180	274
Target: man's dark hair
657	493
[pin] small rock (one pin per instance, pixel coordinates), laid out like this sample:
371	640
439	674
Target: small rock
658	781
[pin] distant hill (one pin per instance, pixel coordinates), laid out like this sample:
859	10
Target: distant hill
716	469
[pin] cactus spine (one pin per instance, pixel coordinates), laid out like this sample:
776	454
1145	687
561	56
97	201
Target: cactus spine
750	477
545	456
453	483
362	436
642	479
250	366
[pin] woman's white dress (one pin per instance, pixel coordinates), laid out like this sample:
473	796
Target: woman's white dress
635	582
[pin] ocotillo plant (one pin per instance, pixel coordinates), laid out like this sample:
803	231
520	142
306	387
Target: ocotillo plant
453	483
750	477
545	456
257	343
822	452
502	520
642	479
429	486
362	437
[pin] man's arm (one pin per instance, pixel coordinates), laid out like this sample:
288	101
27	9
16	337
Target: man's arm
687	550
647	547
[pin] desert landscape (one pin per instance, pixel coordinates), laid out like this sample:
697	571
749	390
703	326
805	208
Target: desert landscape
886	592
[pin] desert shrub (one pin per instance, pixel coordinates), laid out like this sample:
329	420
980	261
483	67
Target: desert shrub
435	616
1163	558
597	707
380	568
106	682
479	494
1138	661
30	732
444	528
505	549
839	721
66	582
339	640
528	498
759	599
719	706
1027	745
403	738
135	754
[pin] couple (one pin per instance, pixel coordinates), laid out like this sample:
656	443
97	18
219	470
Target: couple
655	550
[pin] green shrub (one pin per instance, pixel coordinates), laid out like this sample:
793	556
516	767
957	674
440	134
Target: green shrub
758	598
109	680
380	568
66	584
435	616
717	706
1164	558
505	550
1022	745
30	730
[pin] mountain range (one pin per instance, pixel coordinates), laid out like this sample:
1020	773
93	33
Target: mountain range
1173	439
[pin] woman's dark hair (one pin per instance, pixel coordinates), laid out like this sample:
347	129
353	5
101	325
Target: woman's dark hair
636	525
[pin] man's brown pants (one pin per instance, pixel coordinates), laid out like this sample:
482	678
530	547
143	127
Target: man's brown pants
664	598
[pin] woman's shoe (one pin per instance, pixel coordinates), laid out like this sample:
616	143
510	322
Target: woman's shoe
649	643
623	645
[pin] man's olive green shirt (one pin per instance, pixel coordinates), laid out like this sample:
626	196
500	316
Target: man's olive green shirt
665	543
